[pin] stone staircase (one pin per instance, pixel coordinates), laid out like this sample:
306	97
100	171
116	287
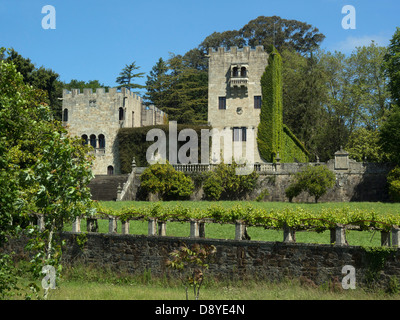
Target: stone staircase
104	187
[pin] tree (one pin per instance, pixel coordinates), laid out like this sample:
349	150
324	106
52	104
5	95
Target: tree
43	171
76	84
157	85
127	76
40	78
392	66
315	180
390	135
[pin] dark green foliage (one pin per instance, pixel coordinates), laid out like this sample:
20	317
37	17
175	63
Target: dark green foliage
132	144
392	66
273	136
390	135
224	184
315	180
164	180
393	180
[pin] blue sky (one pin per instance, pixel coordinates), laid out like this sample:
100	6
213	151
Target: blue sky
95	39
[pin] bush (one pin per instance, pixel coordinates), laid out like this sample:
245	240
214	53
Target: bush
224	183
316	180
393	180
164	180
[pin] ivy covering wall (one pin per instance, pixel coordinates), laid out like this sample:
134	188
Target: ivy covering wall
132	144
273	136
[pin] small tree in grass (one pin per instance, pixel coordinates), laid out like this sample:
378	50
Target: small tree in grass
191	264
315	180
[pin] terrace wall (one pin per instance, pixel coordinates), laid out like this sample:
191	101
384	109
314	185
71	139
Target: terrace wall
234	259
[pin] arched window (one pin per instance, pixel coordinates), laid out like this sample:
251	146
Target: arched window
243	72
110	170
121	114
84	139
93	141
102	141
65	115
235	72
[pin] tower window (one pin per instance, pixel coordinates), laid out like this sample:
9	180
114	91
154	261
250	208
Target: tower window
102	141
222	103
65	115
110	170
93	141
243	72
121	114
84	139
257	102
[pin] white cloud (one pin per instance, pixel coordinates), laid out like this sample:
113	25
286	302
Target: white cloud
349	45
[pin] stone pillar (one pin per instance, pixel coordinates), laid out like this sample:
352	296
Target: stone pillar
76	225
112	225
385	239
338	235
396	236
152	227
194	229
92	225
341	160
202	229
289	234
162	228
125	227
239	230
119	192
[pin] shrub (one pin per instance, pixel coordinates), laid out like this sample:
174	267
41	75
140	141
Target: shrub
393	180
316	180
224	183
164	180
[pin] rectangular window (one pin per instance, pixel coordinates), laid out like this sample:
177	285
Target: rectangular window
239	134
257	102
222	103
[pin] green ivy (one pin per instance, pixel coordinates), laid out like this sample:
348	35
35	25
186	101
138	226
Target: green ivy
273	136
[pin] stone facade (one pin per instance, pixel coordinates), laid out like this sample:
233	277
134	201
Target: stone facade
97	117
234	98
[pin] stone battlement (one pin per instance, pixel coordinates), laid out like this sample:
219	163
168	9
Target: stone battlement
100	92
235	50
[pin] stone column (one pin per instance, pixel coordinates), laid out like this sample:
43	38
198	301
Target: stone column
92	225
162	228
194	229
239	230
112	225
125	227
338	235
289	234
76	225
202	230
152	227
385	239
119	192
396	236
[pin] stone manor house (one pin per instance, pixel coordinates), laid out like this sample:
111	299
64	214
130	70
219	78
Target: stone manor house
234	102
234	105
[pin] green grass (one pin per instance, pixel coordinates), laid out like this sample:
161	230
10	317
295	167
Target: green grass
218	231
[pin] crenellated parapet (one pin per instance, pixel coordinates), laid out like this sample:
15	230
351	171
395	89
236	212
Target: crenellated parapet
100	93
235	50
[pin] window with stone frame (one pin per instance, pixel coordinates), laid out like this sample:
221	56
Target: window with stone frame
239	134
257	102
222	103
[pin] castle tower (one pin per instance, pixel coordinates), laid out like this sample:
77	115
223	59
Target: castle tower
234	98
96	117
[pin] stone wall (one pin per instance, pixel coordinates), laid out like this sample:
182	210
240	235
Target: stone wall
233	260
